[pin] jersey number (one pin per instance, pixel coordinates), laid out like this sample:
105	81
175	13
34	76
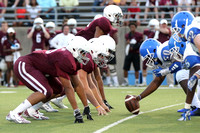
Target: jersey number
38	38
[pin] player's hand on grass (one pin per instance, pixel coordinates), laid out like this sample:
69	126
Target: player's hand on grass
87	112
78	117
101	110
105	108
191	82
185	116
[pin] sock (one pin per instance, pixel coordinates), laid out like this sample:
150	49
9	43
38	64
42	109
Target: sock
108	79
136	81
115	79
144	78
22	107
126	79
61	98
38	105
195	101
198	89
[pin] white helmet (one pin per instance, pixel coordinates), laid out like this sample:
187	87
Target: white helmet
197	19
153	22
3	65
10	30
72	21
98	52
51	25
78	46
38	21
110	45
98	16
114	14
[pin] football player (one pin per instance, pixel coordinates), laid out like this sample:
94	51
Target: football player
38	71
38	34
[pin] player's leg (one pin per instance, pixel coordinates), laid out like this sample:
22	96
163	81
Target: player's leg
113	74
35	81
136	65
126	68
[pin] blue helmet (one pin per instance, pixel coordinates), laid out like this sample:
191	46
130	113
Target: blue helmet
179	21
176	49
148	51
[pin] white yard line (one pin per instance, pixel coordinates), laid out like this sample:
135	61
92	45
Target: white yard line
130	117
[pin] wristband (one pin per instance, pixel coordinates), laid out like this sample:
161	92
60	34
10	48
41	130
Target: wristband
187	106
98	107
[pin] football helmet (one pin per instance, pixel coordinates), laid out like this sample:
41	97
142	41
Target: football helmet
114	14
78	46
110	45
148	50
176	49
197	19
72	22
38	22
98	52
153	23
10	30
179	22
51	26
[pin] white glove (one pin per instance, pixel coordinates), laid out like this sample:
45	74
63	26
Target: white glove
164	72
33	28
43	29
74	31
133	41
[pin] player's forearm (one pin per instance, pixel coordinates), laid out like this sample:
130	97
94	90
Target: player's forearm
71	97
81	94
91	97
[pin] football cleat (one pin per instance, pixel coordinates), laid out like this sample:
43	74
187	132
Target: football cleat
48	108
195	112
35	115
16	118
58	103
183	110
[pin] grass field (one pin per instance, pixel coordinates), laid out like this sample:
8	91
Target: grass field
162	120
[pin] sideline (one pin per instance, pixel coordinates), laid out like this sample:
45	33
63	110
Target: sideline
130	117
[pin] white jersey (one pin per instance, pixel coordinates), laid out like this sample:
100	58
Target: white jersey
61	40
163	55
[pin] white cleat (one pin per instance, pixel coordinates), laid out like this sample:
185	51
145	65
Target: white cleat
17	118
58	103
48	108
34	114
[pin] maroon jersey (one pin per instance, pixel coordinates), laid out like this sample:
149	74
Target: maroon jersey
2	39
149	33
38	40
90	66
59	62
138	37
88	33
52	35
164	37
8	45
112	32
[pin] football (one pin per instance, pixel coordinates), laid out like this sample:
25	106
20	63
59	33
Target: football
132	104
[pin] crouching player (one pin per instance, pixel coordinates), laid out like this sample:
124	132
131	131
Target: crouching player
32	70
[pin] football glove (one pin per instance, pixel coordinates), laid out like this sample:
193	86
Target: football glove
78	117
186	115
191	82
87	112
107	104
161	72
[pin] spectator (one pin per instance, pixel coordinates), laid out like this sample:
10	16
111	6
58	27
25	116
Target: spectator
167	8
96	3
69	7
153	4
133	42
62	39
187	3
10	47
196	9
133	13
47	7
3	31
148	33
20	2
2	11
34	9
163	34
72	23
20	14
38	34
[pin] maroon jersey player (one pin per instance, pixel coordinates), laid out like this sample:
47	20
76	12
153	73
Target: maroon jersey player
38	34
32	70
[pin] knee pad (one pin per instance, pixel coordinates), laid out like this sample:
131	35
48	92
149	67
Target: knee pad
113	71
182	75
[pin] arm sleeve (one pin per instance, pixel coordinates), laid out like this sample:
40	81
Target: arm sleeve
176	66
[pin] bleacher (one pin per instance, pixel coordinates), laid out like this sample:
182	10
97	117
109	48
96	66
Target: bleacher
84	12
